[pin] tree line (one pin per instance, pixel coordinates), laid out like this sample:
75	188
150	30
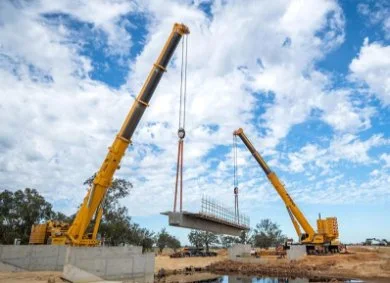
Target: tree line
21	209
265	234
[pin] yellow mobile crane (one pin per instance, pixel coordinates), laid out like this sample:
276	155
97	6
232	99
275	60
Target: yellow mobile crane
326	238
76	234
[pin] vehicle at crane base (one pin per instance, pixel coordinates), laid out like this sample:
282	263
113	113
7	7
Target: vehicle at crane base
325	239
79	232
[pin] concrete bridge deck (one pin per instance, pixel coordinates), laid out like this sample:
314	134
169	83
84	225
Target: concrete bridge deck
205	222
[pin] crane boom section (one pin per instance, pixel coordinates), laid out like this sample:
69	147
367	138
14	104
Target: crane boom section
295	223
92	204
279	187
296	212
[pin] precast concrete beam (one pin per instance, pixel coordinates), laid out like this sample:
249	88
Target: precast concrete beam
204	222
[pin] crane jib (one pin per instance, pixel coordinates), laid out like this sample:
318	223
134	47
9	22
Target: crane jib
254	152
149	87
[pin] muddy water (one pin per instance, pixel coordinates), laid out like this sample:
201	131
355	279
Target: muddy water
244	279
209	277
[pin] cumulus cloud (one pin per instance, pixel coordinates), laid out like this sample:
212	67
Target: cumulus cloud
345	147
377	12
372	66
386	158
59	122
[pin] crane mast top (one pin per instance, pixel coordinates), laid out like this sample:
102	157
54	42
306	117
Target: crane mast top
93	202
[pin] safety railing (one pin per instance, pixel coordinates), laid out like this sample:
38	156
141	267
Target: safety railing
212	208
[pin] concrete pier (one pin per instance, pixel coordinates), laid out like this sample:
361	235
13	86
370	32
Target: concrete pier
296	252
32	258
108	263
79	264
239	251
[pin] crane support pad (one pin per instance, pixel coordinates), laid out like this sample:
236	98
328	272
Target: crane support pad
200	221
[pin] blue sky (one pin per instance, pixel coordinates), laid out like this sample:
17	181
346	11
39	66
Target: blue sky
307	80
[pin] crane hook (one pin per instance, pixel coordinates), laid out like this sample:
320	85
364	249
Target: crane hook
181	133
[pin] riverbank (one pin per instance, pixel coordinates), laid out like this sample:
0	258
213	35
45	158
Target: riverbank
368	263
371	263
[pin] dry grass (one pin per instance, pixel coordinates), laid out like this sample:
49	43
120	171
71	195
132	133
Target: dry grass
386	265
180	263
36	277
361	262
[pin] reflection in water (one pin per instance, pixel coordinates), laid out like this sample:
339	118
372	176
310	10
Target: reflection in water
244	279
213	278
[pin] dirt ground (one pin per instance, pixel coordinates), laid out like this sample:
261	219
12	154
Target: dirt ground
179	263
372	263
35	277
360	263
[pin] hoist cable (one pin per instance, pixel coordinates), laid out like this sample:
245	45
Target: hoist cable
185	81
181	83
181	131
234	161
235	178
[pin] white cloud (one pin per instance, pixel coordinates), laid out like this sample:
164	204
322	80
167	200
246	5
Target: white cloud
377	12
372	66
56	132
343	114
372	190
386	158
39	48
346	147
105	15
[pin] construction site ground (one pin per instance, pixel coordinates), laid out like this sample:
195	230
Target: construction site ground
368	263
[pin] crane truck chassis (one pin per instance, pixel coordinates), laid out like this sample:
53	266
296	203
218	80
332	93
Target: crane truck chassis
78	234
325	240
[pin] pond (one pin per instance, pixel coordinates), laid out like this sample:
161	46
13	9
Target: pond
214	278
245	279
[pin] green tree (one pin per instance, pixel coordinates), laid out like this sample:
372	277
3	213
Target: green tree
164	239
19	210
173	243
119	189
228	241
59	216
140	237
115	226
146	239
196	239
245	237
202	239
267	234
209	239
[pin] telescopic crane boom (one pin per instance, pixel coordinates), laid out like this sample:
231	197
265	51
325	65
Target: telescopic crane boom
92	205
327	234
